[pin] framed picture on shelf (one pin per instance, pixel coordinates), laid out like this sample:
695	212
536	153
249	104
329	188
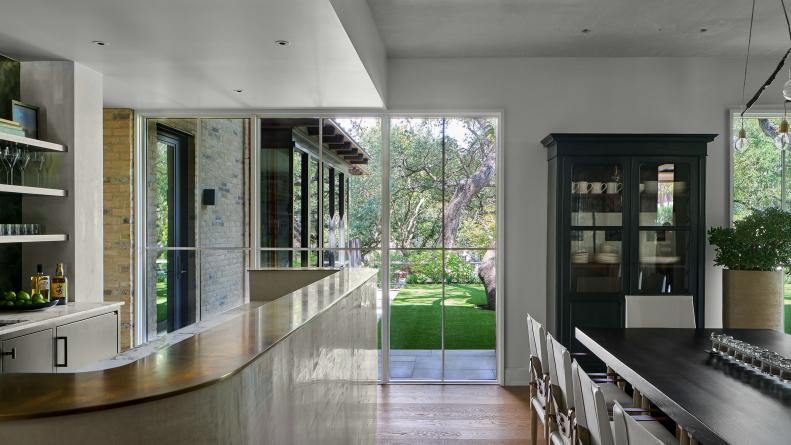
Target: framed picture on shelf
26	116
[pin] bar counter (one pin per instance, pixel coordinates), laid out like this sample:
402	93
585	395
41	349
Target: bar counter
291	358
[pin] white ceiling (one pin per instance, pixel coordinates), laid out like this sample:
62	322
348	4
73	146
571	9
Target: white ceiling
193	53
552	28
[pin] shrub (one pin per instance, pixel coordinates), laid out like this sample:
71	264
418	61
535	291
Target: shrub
426	267
761	241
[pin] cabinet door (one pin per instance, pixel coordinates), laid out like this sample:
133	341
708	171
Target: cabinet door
596	216
84	342
28	353
665	255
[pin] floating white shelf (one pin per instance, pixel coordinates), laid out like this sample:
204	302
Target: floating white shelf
32	144
30	191
5	239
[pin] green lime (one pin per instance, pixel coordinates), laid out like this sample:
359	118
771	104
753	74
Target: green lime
37	296
22	295
39	300
10	295
9	303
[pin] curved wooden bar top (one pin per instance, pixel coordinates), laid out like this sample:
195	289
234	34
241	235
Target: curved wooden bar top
197	362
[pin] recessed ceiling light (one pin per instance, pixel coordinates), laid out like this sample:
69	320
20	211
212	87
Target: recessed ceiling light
99	43
586	30
238	91
282	42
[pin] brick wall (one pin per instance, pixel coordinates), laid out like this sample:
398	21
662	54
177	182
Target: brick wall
221	166
220	160
118	222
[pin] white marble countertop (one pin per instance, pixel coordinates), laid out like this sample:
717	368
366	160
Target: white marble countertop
47	316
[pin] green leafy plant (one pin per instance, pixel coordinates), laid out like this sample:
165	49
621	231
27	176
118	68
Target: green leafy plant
761	241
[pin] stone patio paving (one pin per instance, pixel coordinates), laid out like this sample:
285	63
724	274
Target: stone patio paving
425	364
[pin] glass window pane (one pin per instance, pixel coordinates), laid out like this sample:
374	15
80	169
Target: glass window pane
469	305
470	217
283	142
416	315
664	194
363	184
664	259
222	280
596	257
757	169
416	182
596	194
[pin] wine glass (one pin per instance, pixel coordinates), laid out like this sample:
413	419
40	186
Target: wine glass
3	162
24	160
13	156
41	159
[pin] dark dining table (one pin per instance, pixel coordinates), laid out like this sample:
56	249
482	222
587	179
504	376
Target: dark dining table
714	399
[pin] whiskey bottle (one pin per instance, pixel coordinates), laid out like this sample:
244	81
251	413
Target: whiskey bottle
59	285
39	283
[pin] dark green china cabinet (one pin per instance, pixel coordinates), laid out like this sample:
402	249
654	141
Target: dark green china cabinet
626	217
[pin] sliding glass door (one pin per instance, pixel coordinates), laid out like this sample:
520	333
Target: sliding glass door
442	275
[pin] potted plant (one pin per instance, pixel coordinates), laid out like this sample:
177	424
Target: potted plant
754	253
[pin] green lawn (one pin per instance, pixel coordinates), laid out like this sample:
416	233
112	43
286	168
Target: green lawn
415	318
162	301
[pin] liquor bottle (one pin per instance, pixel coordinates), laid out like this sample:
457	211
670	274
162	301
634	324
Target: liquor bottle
59	285
39	283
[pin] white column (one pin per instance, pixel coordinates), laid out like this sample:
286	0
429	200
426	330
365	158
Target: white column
69	96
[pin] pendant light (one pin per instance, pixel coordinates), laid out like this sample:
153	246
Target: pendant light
782	140
741	142
787	87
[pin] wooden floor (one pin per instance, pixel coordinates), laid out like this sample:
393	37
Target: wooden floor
446	414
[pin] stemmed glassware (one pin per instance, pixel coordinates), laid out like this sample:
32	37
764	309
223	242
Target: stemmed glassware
41	160
24	160
7	163
12	157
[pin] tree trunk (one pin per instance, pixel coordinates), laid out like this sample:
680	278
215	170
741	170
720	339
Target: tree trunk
488	274
768	128
464	193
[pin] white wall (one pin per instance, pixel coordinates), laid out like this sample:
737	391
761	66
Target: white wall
359	24
540	96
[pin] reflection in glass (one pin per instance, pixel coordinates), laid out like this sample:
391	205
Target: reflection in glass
596	257
596	195
664	194
663	262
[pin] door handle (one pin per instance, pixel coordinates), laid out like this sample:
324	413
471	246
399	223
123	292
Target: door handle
65	352
11	354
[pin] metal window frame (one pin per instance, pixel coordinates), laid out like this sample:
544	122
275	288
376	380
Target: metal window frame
385	116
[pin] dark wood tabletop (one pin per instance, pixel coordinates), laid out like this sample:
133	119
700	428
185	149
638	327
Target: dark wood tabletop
712	398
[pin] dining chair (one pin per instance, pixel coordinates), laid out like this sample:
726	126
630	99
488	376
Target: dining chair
592	419
627	431
660	311
539	377
561	393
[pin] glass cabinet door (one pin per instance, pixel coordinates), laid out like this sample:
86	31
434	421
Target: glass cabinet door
596	197
663	241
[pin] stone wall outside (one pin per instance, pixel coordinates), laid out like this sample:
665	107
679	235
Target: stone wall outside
118	220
